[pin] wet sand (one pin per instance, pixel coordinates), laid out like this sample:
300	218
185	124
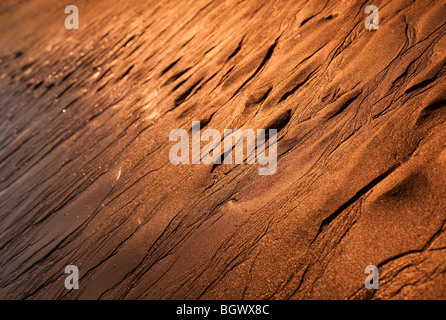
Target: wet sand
85	175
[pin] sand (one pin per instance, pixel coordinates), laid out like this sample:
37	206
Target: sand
85	175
